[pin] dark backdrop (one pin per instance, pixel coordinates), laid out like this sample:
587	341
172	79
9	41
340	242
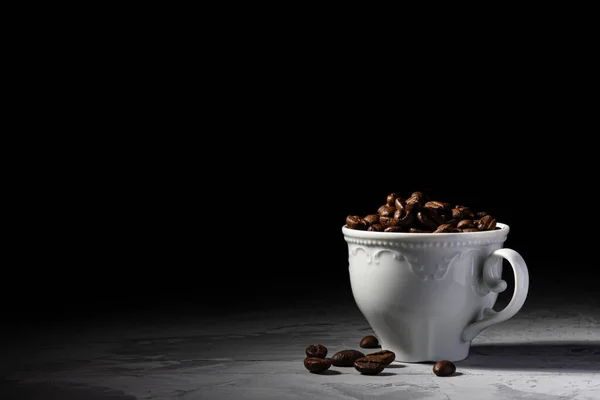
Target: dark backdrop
257	221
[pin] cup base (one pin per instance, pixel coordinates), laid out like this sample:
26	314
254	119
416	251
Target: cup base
454	354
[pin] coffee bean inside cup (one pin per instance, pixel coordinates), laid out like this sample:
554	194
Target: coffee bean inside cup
316	350
444	368
317	365
418	214
369	342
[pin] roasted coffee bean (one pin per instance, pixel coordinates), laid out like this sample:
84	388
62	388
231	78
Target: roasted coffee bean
356	222
438	205
453	222
444	368
317	365
419	214
385	356
316	350
410	213
368	366
468	213
391	199
400	204
487	223
388	221
369	342
457	213
394	229
415	230
437	215
427	222
412	208
416	197
386	211
444	228
399	214
371	219
376	228
345	358
465	223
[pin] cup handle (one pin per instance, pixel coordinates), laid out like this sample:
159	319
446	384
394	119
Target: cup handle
497	285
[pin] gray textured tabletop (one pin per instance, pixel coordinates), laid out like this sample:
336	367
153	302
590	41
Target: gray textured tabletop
547	351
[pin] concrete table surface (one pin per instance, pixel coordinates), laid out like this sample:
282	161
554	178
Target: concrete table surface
549	350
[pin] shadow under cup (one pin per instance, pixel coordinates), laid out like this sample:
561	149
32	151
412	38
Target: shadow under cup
428	295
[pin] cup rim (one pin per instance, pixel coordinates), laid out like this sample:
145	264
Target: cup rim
356	233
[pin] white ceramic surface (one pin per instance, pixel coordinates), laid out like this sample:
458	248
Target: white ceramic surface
426	295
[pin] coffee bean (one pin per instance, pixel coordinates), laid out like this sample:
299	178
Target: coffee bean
385	356
444	228
412	208
467	213
386	211
317	365
438	205
356	222
465	223
388	221
487	223
415	230
369	342
453	222
391	199
399	214
400	203
437	215
409	215
316	350
416	197
345	358
425	221
371	219
368	366
376	228
419	214
444	368
394	229
457	213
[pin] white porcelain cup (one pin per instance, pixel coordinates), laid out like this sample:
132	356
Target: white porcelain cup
428	295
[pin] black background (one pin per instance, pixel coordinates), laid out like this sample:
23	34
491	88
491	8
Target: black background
240	202
257	223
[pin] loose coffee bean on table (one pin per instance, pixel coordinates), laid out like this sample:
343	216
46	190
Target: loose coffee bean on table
345	358
444	368
317	365
386	357
368	366
316	350
369	342
418	214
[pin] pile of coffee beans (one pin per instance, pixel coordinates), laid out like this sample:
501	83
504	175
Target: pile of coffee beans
316	360
418	214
